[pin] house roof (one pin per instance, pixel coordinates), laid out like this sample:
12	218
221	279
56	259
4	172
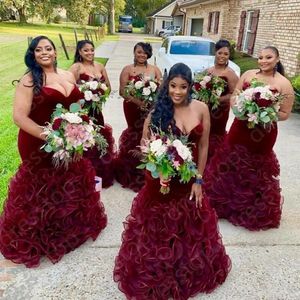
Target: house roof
192	2
152	14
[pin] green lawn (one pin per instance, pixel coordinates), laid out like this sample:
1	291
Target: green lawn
13	44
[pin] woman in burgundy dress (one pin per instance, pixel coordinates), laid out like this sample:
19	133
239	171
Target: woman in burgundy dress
135	112
171	247
241	180
219	116
49	211
85	69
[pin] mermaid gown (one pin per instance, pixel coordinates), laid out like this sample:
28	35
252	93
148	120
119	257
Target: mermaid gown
218	121
170	249
241	180
104	166
128	159
49	211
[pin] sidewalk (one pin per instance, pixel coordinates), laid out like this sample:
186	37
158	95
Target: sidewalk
265	265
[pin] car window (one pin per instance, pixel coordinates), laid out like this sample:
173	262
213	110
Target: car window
192	47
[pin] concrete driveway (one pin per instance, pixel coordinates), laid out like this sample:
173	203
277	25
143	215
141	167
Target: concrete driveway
265	265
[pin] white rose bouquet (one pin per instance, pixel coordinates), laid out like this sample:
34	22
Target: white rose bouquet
168	155
70	133
208	88
258	103
142	87
95	94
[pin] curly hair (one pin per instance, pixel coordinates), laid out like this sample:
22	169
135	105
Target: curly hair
79	46
38	75
163	114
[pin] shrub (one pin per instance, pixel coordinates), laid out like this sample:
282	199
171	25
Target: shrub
296	85
232	49
57	19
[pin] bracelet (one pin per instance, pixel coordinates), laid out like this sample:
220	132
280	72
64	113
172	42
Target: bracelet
199	181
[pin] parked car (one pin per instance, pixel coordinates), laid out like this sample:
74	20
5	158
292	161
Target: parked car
196	52
172	29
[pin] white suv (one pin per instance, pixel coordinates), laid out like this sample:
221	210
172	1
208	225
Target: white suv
172	29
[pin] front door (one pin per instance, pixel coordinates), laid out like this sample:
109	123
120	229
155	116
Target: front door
197	27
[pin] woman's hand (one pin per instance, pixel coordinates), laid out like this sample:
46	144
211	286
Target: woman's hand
164	182
141	104
196	192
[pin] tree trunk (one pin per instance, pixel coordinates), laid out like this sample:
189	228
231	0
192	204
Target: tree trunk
111	20
22	16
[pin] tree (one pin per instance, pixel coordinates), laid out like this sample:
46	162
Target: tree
139	9
21	6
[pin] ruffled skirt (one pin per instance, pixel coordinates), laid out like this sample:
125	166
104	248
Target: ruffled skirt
128	159
104	166
50	212
170	249
243	187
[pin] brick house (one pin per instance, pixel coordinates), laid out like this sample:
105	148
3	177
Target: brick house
253	24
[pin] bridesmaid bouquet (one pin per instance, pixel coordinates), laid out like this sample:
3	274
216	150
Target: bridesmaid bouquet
258	104
70	133
168	156
208	88
142	87
95	94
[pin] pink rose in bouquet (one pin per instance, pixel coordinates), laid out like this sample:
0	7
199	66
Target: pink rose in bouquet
208	88
258	104
70	133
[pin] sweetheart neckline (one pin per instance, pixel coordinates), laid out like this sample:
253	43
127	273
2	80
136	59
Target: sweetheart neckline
51	88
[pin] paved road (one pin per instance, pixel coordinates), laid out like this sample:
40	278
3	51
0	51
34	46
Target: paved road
265	265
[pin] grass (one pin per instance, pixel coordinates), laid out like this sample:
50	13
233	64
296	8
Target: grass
13	44
245	62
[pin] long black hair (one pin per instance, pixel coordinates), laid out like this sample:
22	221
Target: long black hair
33	67
79	46
279	67
163	114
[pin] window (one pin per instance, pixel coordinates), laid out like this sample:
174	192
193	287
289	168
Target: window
213	22
191	47
166	24
247	30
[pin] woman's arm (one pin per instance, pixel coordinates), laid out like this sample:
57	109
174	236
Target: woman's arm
22	107
146	130
204	140
239	86
75	70
232	81
287	104
196	190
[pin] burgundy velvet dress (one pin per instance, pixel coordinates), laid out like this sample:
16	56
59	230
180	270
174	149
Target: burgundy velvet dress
104	166
170	248
218	121
49	211
127	159
241	179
